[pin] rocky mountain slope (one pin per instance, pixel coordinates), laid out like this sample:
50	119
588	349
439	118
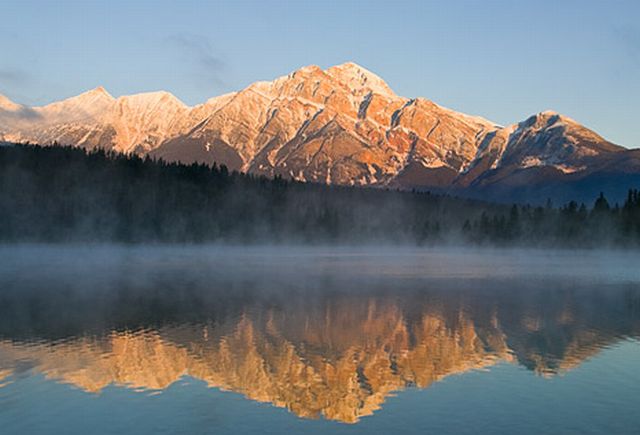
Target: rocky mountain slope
342	125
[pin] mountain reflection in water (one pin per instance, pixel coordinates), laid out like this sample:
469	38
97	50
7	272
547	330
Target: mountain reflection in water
323	335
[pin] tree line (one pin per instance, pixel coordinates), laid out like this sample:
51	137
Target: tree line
64	194
571	225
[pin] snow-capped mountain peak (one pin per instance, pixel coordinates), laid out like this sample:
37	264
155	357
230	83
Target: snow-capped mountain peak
99	90
150	99
8	105
92	96
88	105
339	125
359	79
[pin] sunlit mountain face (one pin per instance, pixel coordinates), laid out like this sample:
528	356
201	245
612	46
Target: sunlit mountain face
341	125
323	336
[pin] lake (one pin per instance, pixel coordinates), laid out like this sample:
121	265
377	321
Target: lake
201	339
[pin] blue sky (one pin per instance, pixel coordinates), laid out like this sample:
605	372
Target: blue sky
504	60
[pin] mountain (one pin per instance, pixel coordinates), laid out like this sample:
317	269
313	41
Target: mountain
342	125
95	119
549	156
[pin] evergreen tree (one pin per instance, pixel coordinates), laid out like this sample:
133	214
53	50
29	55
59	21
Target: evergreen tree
601	204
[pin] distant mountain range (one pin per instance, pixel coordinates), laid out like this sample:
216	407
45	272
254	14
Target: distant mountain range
342	125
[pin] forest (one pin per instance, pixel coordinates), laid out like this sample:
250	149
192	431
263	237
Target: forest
67	195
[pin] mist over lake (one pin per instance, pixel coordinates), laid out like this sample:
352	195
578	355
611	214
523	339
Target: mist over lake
217	339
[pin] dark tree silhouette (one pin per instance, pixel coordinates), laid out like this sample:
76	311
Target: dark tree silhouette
63	194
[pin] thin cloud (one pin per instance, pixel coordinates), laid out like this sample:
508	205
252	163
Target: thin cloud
24	114
209	66
13	76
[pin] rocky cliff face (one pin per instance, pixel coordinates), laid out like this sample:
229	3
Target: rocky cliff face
342	125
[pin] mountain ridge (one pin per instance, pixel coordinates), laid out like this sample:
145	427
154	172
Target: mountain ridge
340	125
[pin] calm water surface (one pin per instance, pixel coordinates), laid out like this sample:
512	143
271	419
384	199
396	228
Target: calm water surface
200	340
